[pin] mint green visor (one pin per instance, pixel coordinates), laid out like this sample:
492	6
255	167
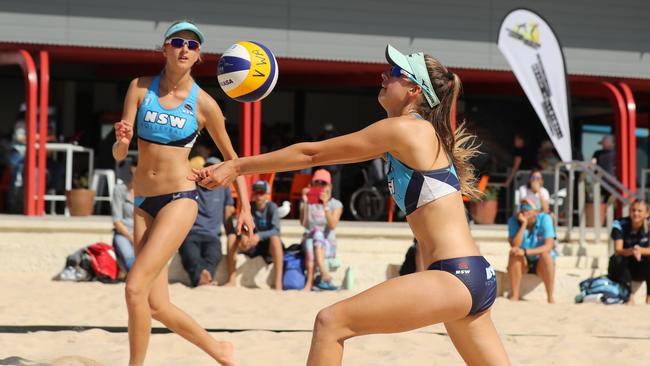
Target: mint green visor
182	26
415	66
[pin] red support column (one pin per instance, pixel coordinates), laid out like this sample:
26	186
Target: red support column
26	63
245	132
631	122
257	131
620	121
44	93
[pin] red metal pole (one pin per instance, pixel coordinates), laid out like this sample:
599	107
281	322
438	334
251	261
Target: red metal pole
245	131
257	131
631	121
620	121
44	92
26	63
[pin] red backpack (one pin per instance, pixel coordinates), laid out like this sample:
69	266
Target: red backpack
102	260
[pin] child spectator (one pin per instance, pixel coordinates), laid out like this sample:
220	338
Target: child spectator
265	241
320	215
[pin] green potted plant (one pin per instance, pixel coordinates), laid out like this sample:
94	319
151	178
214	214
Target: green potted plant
80	200
484	211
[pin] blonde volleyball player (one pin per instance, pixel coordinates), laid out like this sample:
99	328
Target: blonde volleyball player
428	170
170	110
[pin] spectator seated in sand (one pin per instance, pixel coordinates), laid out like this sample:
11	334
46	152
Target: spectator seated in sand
531	236
122	212
320	214
201	250
265	241
631	259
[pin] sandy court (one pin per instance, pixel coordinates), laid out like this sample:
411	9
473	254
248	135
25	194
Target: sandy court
274	328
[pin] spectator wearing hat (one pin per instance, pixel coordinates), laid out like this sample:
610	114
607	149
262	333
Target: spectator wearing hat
531	236
265	240
320	217
606	157
201	249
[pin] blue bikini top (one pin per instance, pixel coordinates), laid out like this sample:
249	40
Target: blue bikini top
172	127
412	189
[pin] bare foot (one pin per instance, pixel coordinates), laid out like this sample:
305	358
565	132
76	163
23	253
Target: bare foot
226	355
307	289
205	278
231	283
550	300
512	298
630	301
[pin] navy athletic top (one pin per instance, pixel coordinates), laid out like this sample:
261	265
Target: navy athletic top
172	127
412	189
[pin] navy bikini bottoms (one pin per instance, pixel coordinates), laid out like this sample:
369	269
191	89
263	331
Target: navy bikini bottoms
477	274
152	205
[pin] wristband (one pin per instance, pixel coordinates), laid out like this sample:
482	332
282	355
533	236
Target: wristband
525	252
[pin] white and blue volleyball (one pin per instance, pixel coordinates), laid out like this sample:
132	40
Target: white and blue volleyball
247	71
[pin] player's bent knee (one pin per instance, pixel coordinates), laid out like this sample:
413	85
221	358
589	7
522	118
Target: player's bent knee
328	324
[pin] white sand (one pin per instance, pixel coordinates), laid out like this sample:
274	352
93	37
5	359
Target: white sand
534	333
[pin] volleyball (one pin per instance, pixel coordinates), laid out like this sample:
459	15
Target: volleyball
247	71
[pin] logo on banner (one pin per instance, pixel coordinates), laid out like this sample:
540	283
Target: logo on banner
527	33
545	90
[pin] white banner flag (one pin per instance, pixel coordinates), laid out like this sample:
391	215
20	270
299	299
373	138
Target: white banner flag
535	56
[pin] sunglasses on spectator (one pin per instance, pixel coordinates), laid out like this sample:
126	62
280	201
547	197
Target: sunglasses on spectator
535	177
319	182
178	42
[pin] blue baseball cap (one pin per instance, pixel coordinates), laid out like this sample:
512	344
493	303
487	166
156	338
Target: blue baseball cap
184	26
416	67
261	186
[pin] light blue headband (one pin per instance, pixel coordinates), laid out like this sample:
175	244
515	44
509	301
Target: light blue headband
182	26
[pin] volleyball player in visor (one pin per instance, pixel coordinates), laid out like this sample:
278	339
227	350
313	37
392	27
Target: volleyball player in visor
429	170
169	110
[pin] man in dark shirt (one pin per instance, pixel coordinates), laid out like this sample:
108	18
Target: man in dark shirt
201	250
606	157
265	241
522	158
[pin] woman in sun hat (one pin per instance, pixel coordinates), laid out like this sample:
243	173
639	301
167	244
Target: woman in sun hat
170	109
428	173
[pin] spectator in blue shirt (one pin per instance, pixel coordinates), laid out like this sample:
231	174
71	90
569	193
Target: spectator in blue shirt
201	250
265	241
531	236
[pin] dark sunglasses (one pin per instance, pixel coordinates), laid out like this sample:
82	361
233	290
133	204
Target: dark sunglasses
397	71
178	42
535	178
319	182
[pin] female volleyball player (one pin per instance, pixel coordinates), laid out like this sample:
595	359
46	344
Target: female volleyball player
170	109
428	170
